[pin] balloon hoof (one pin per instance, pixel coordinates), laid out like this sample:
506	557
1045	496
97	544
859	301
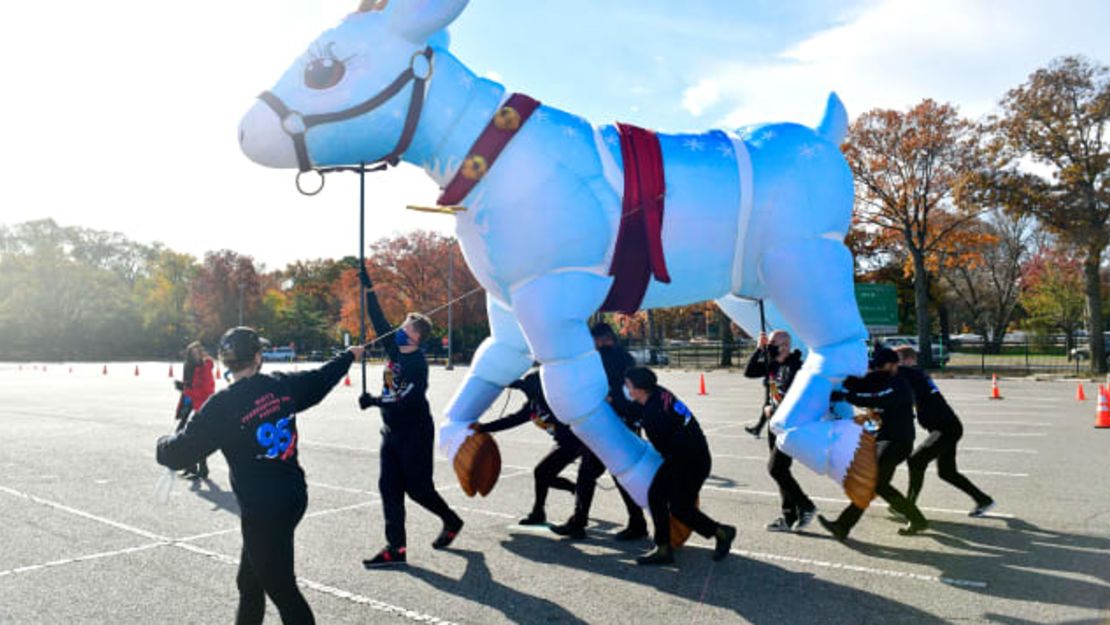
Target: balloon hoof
863	472
478	464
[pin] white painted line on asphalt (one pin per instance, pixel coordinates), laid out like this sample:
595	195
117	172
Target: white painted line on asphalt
962	470
366	450
854	568
999	451
338	593
81	513
1011	434
219	557
844	502
1023	424
85	558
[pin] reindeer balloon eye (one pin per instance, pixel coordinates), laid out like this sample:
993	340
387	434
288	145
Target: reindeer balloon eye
324	73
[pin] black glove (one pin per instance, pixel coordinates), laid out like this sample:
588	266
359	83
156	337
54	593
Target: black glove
367	400
838	396
179	385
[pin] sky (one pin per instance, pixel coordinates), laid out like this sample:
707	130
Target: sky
122	115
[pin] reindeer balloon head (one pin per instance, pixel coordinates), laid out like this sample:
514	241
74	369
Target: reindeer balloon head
355	95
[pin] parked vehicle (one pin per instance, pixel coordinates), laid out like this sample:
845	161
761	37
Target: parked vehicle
1082	351
649	356
279	354
940	355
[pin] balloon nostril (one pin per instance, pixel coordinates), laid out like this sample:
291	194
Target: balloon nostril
242	134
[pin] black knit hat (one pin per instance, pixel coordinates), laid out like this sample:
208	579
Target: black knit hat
238	347
602	329
883	356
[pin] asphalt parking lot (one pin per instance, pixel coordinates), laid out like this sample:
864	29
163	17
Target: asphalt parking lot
86	540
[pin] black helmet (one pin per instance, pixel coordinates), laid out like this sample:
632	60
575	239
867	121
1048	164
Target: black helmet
238	346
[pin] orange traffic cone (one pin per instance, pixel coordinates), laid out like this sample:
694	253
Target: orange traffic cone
1102	417
347	382
701	385
995	394
1079	394
105	371
171	370
136	370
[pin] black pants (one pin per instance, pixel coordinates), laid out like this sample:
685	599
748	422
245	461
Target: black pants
890	455
940	445
406	469
201	468
674	491
547	473
762	421
266	568
793	498
589	470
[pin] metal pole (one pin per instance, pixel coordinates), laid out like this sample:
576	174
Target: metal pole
362	266
450	308
241	287
766	356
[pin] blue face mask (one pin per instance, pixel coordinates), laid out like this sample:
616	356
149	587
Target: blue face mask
401	338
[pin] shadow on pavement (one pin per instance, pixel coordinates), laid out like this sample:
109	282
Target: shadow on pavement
758	592
1018	559
211	492
476	584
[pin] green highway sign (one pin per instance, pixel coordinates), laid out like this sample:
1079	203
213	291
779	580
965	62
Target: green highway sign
878	305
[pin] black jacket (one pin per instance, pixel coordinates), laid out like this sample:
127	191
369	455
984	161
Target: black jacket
670	426
535	410
254	423
616	362
404	400
781	373
933	411
891	397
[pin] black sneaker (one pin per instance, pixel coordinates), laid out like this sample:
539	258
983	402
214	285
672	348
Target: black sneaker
982	509
662	554
912	528
833	527
446	536
386	557
779	525
632	532
725	535
534	518
570	529
752	429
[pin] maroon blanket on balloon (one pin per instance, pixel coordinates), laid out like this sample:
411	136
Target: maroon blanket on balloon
639	252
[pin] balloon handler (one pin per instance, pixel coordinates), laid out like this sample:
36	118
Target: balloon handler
196	386
567	446
254	423
408	432
674	432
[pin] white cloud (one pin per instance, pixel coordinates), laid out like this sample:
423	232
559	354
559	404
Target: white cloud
899	52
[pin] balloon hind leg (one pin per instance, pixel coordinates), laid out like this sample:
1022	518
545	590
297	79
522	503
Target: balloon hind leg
810	283
553	310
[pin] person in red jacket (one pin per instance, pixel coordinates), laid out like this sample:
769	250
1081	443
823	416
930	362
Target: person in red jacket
196	387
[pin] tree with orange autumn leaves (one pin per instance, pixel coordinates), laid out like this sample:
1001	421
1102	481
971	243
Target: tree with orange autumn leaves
909	168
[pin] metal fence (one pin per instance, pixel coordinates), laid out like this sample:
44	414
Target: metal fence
1026	357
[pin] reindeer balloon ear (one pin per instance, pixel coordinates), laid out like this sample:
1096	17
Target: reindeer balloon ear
417	20
372	5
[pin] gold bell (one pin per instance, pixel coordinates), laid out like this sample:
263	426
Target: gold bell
507	119
474	167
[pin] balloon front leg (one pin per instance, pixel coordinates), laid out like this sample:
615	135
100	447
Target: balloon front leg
501	359
553	310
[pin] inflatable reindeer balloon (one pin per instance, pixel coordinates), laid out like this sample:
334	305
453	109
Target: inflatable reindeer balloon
564	218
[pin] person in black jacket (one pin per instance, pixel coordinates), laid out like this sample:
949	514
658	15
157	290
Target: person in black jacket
615	360
408	434
567	446
891	400
945	430
254	423
777	364
676	435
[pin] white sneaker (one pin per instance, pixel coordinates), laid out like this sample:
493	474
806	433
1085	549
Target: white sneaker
981	511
